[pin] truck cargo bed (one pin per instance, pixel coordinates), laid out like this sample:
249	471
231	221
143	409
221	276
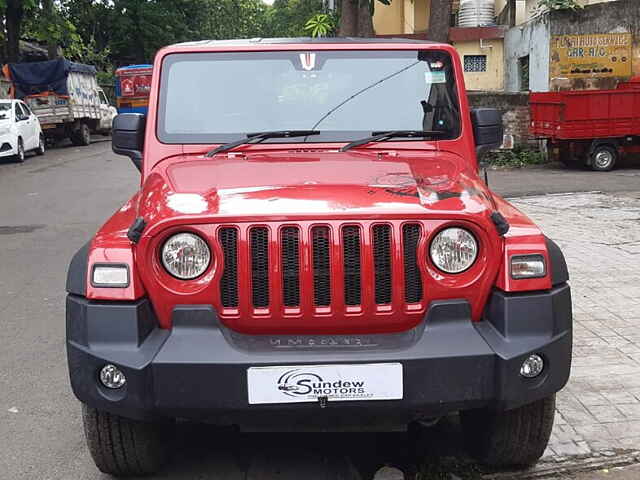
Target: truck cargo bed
587	114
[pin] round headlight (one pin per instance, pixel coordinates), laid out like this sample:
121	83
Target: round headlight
185	256
454	250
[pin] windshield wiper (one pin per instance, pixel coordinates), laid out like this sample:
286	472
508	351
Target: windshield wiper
259	137
384	136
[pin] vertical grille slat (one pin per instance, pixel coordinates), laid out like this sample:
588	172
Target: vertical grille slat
321	266
259	244
290	263
382	263
412	280
352	265
371	268
228	238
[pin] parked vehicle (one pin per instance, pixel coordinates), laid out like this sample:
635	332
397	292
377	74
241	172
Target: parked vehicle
133	84
312	247
20	131
592	127
66	98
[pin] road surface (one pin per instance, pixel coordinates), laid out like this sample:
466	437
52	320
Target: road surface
50	206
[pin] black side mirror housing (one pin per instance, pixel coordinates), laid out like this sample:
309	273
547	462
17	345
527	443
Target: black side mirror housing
488	131
128	136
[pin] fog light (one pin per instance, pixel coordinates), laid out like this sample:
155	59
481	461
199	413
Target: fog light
532	366
112	377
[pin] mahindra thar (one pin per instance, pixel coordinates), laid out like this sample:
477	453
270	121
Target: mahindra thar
312	247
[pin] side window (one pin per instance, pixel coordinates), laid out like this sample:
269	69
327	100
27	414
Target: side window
103	98
19	113
25	109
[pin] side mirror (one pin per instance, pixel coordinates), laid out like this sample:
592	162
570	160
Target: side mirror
128	136
487	129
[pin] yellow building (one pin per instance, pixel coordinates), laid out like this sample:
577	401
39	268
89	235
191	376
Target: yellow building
481	48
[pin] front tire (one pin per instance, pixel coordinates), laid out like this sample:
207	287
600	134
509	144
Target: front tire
41	146
603	158
19	156
513	438
123	447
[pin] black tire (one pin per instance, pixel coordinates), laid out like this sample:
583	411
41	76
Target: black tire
123	447
20	156
41	146
81	136
514	438
603	158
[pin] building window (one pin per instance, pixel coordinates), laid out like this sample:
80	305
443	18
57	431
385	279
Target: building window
475	63
523	72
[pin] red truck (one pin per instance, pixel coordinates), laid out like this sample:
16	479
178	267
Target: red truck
312	247
592	127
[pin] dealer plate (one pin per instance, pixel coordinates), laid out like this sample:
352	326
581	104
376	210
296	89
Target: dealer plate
306	383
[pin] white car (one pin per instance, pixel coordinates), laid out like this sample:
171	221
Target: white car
20	130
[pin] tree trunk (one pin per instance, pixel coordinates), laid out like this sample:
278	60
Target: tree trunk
439	21
365	20
52	46
13	21
349	18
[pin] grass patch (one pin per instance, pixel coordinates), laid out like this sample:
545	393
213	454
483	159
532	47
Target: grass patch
449	468
516	158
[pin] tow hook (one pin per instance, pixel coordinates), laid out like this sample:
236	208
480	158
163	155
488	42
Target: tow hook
135	230
502	226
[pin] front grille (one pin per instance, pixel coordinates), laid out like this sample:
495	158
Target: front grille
368	267
290	244
382	263
259	239
412	280
352	267
228	238
321	266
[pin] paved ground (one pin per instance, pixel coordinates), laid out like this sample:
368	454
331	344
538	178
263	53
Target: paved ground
50	205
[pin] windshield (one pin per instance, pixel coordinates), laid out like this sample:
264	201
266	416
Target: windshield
346	95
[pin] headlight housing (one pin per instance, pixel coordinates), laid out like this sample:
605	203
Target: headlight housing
454	250
185	256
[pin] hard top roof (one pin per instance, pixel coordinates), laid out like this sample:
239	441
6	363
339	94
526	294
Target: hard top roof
300	40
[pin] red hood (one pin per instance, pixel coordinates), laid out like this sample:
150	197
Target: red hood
303	184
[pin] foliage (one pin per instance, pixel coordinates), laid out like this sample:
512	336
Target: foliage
109	33
288	18
558	5
518	157
320	25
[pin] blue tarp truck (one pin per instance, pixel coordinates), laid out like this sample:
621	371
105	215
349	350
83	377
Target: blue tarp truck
65	96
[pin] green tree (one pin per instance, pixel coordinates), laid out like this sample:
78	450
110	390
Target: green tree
288	18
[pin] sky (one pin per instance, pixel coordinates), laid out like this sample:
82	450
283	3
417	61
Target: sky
268	2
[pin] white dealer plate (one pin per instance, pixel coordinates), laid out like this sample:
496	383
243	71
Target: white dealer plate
305	383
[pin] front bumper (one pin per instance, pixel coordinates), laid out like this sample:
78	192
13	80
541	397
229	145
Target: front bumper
8	145
198	370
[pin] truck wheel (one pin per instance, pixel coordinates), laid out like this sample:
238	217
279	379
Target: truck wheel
81	136
123	447
19	156
603	158
41	146
512	438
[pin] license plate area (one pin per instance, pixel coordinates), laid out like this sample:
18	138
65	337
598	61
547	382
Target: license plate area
309	383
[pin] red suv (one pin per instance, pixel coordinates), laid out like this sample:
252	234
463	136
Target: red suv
311	246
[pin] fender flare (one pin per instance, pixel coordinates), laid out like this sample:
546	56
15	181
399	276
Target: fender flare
77	272
559	270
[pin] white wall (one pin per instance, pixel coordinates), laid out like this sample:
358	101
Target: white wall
533	39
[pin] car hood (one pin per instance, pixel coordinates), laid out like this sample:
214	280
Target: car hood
312	185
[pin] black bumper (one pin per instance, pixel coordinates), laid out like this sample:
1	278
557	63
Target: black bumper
198	370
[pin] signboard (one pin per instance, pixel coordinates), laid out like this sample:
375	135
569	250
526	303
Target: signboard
591	56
